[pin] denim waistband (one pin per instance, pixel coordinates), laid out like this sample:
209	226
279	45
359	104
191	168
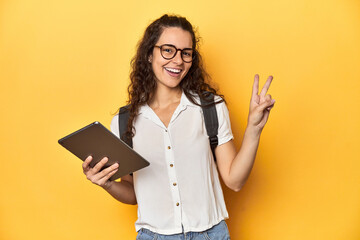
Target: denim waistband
220	225
144	230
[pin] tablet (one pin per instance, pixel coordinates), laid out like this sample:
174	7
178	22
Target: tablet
97	141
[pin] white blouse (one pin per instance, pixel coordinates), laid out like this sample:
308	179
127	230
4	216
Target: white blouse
180	190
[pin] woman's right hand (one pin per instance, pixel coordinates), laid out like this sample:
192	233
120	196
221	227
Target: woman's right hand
96	176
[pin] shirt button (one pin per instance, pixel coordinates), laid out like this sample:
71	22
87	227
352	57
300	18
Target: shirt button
169	147
177	204
165	130
174	184
171	165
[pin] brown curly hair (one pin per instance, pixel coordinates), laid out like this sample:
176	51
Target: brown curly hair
142	77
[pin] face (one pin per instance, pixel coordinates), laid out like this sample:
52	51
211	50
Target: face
169	73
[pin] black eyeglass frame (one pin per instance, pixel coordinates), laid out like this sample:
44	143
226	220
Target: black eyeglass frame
177	49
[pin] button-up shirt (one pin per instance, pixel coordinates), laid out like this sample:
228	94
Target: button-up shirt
180	189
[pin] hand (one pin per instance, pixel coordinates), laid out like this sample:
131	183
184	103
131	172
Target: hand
260	105
96	177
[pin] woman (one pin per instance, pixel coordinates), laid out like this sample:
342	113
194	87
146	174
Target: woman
179	195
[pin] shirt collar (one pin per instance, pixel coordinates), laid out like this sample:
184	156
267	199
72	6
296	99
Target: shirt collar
184	102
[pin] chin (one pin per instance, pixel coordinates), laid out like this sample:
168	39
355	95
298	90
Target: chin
173	86
170	84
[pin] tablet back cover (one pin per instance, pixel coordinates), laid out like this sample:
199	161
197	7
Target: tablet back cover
99	142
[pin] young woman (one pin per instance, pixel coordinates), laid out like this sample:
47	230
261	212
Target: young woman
179	195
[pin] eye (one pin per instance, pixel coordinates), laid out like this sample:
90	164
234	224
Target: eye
168	49
187	53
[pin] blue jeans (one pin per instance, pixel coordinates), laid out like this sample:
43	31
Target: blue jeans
217	232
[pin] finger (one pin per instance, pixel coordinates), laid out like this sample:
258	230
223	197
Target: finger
107	176
86	163
266	98
266	86
100	165
255	87
269	108
106	171
265	118
266	104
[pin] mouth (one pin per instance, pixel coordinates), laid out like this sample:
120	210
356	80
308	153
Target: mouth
173	71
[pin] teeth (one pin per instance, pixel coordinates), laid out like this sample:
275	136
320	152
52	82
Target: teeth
173	70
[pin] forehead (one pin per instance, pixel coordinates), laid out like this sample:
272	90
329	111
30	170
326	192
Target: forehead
175	36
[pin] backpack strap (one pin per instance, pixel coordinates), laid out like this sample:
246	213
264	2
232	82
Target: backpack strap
211	120
123	122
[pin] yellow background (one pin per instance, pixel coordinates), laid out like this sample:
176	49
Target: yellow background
64	64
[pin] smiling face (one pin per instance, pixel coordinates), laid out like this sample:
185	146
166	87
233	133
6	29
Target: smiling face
169	73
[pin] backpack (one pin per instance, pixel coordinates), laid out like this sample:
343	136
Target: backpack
210	118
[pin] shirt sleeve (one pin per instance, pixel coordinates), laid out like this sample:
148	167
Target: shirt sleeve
224	131
114	126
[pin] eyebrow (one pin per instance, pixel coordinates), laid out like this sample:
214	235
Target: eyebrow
174	46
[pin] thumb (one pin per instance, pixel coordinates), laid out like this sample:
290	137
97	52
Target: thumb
266	104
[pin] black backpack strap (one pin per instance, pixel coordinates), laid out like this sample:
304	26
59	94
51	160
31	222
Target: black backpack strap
211	120
123	123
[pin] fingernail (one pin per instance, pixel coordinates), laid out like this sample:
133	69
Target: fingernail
116	164
273	100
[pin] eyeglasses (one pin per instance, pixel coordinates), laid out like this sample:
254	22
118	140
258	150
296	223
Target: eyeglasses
169	51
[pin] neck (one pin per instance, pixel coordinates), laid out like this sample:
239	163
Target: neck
164	96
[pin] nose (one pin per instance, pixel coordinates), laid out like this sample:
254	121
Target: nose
178	59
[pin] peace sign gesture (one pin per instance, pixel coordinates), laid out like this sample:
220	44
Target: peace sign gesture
260	105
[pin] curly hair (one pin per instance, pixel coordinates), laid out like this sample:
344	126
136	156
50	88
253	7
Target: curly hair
142	77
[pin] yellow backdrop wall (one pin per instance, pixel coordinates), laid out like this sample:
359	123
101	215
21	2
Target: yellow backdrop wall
65	64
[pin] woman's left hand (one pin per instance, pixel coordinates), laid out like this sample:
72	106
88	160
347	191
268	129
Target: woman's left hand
260	105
